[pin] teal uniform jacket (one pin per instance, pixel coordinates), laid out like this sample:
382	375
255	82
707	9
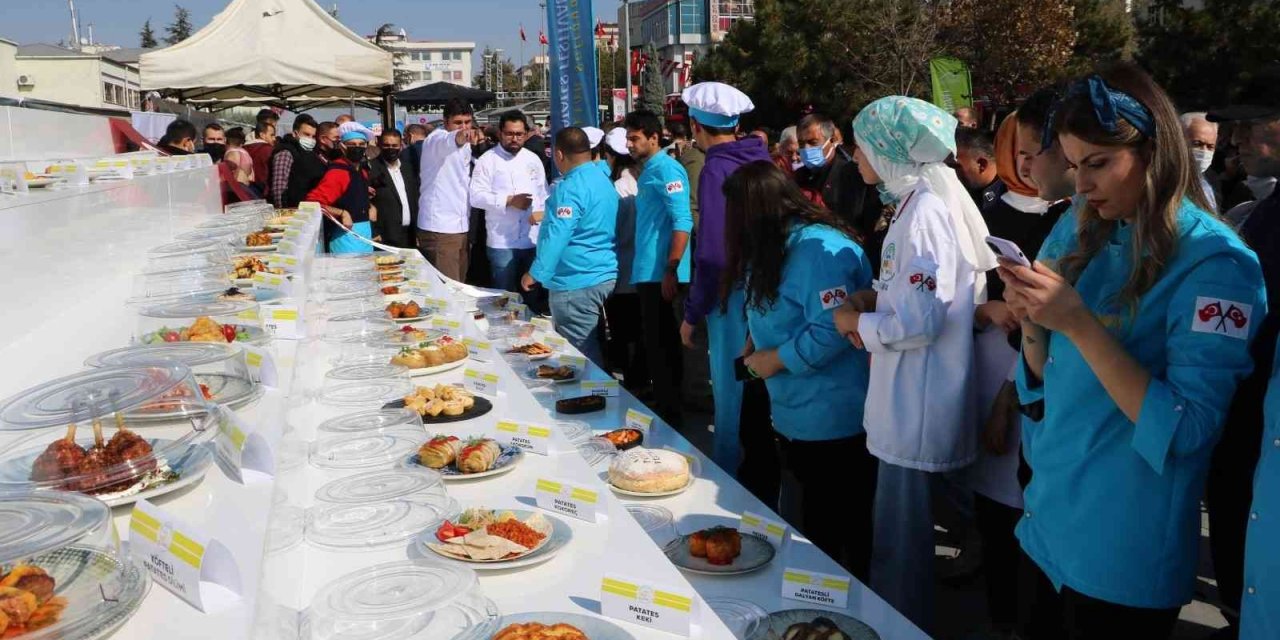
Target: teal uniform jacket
821	394
578	232
662	207
1113	508
1260	603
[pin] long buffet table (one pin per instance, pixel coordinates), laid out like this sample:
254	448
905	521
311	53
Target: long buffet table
70	261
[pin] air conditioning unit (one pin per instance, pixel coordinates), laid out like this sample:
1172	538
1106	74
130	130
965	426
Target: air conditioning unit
26	81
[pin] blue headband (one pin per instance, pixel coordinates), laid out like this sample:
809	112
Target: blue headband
354	134
713	119
1108	106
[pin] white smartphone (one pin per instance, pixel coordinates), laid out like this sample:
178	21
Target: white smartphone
1008	250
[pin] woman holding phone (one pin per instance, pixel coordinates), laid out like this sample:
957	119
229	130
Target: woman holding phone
797	262
1136	322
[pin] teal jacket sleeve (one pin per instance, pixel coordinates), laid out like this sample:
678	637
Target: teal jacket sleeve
557	229
675	186
1211	321
1057	244
824	276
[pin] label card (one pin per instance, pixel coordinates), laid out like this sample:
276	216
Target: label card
530	437
262	365
309	208
519	309
770	530
543	324
288	262
606	388
640	421
183	560
639	602
815	588
272	281
242	446
287	247
556	342
451	327
284	320
416	287
479	349
563	498
481	382
439	305
577	362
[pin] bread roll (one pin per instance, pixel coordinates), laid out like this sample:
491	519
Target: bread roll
649	471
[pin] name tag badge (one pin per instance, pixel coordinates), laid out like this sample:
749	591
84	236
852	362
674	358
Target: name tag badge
482	382
262	365
194	566
479	349
815	588
773	531
603	388
243	447
640	421
530	437
648	605
562	497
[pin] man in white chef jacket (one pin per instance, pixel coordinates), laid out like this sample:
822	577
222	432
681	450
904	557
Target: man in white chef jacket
510	184
444	211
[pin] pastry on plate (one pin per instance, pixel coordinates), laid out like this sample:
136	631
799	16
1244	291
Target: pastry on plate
454	351
719	545
479	456
624	439
539	631
820	629
440	452
649	471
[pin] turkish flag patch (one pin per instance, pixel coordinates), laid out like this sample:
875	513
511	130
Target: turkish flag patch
923	281
1223	317
564	212
675	187
832	298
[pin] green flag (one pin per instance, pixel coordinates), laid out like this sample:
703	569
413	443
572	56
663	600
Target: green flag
951	84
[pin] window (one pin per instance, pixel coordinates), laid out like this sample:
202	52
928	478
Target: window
457	55
435	55
457	76
693	17
428	76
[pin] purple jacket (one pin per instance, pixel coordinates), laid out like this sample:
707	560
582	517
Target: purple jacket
709	255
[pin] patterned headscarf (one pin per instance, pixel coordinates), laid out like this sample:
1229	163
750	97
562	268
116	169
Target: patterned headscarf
907	141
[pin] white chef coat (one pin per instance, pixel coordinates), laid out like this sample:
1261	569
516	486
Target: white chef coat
398	179
499	175
921	397
443	206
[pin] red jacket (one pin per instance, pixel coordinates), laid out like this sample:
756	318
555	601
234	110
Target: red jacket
261	154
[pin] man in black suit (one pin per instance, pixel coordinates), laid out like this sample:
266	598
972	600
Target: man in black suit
395	193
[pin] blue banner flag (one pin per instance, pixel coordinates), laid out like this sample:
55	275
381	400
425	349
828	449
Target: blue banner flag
574	95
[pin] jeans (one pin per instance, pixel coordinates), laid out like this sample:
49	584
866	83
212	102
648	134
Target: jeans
508	265
578	315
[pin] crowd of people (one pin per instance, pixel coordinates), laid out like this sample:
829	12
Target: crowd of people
1078	384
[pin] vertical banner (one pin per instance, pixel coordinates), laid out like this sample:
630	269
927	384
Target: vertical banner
574	94
951	84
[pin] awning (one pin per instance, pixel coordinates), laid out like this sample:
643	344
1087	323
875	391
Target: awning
438	93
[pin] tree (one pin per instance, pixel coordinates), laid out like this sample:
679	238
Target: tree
181	28
1202	57
1033	48
1104	33
147	37
653	94
401	76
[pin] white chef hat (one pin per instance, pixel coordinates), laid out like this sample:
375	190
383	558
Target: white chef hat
353	126
716	104
594	136
617	141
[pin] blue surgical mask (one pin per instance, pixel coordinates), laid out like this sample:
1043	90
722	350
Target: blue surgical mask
814	157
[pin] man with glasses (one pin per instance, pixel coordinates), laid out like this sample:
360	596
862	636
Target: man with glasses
510	184
395	193
1255	131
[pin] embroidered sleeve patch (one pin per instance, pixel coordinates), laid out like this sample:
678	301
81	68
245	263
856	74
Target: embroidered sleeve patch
1223	317
564	212
832	298
675	187
923	281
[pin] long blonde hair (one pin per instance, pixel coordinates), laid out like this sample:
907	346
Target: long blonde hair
1170	177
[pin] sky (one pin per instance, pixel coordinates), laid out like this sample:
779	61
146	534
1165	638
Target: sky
486	22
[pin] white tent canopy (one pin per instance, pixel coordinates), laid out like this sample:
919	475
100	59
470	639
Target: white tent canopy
290	53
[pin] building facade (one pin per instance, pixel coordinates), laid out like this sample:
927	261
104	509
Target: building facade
428	61
98	79
681	31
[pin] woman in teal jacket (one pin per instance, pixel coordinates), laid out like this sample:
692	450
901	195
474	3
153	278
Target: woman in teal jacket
1136	324
798	263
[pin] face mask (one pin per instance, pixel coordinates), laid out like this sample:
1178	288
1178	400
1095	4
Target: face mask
390	155
814	157
307	144
1203	158
1260	186
797	165
216	150
332	153
354	154
665	142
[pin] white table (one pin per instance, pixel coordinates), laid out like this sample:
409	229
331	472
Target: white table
83	252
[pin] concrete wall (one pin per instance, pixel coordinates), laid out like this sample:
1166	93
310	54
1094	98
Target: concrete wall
8	69
76	81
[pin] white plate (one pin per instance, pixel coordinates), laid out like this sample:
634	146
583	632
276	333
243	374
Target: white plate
440	368
194	463
776	624
531	374
590	626
42	182
512	456
756	554
412	320
559	537
637	494
268	248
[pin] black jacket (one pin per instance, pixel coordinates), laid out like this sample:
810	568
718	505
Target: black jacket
845	194
304	174
387	201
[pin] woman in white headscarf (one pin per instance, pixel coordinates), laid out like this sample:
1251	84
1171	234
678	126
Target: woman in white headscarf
917	322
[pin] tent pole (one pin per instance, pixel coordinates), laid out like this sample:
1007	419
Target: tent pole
388	109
